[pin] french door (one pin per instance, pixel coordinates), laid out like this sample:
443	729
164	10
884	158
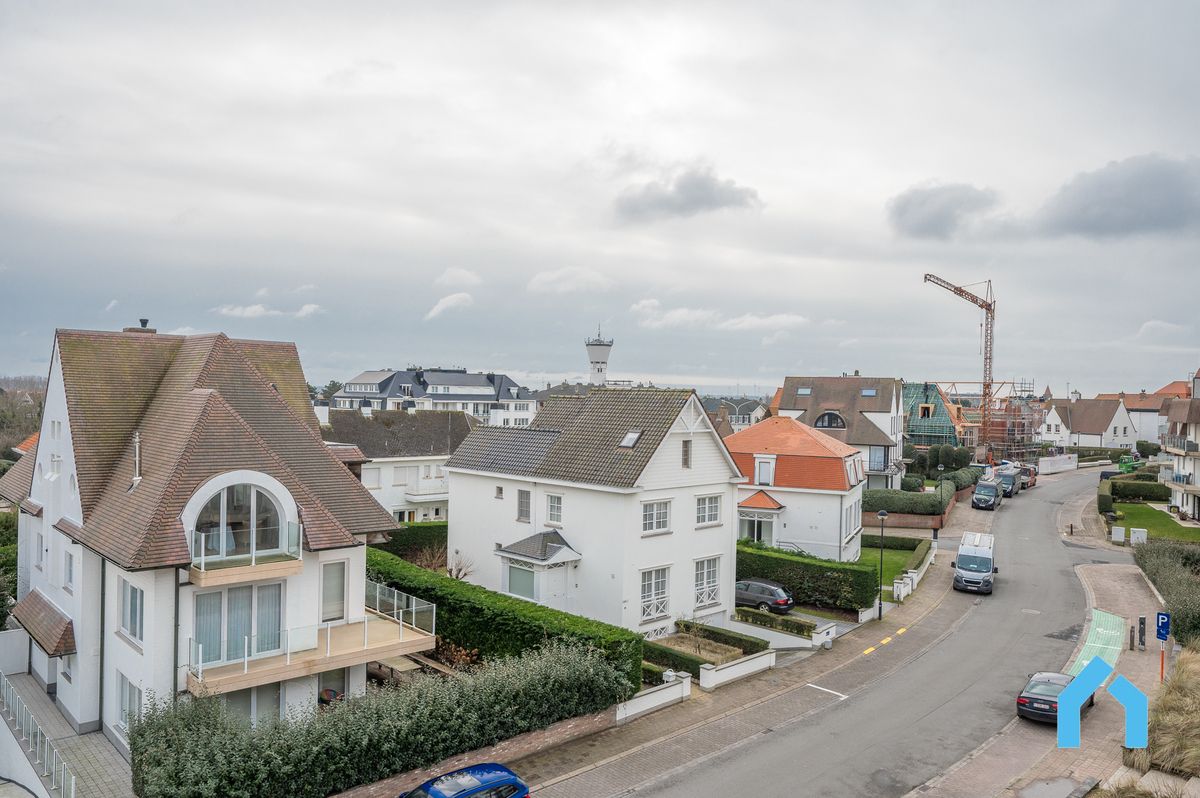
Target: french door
238	621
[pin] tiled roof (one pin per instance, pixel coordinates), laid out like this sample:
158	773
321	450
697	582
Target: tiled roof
397	433
804	457
577	439
27	445
1179	389
203	405
1146	402
541	546
1086	416
844	396
759	500
721	424
347	452
1183	411
16	482
50	628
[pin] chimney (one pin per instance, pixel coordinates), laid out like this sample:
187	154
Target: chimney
723	413
1196	386
137	457
144	328
856	374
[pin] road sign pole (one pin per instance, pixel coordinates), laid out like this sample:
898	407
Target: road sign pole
1162	660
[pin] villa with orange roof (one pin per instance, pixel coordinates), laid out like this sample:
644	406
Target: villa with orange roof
804	488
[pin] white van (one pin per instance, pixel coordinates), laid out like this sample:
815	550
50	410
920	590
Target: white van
975	565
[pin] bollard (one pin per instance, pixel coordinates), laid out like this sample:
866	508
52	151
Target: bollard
1141	633
1072	529
1131	644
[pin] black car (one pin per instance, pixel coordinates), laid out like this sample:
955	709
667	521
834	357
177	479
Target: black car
1039	699
763	594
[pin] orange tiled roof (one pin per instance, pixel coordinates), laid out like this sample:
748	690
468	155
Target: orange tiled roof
26	446
804	457
1179	389
760	501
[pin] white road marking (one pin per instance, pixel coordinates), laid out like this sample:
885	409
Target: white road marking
841	696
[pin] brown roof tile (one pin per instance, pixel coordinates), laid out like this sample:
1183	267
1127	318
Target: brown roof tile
50	628
17	481
1086	416
842	395
398	433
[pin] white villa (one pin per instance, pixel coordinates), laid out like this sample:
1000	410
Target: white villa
491	398
1103	423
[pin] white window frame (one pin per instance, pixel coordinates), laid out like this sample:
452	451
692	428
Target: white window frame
39	558
68	571
129	701
499	491
67	666
554	509
708	510
374	483
345	591
759	464
510	565
524	497
708	581
685	453
254	630
656	516
133	610
656	600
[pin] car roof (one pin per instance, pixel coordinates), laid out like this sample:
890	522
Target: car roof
758	581
449	785
1051	676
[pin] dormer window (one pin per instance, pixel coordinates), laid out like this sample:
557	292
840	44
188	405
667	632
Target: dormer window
830	420
631	438
241	522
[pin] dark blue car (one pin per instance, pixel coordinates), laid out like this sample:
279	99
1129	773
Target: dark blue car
477	781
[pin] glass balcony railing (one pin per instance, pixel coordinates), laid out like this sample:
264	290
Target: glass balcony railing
229	547
1180	443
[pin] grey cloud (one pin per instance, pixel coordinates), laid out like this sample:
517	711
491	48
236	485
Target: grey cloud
938	211
1142	194
695	190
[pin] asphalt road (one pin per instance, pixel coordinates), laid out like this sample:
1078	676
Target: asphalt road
896	733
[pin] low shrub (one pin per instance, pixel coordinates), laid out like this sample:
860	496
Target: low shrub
822	583
963	477
1104	497
782	623
912	484
1147	449
1124	490
1173	743
668	657
918	556
8	528
891	542
898	501
747	643
652	674
1173	566
199	748
411	539
1098	453
497	625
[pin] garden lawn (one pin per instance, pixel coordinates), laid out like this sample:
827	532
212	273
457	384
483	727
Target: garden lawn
1156	523
893	563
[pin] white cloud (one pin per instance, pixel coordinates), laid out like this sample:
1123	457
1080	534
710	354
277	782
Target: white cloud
652	316
183	331
1157	329
777	337
262	292
848	342
310	309
300	289
776	321
459	300
261	311
112	303
455	277
569	280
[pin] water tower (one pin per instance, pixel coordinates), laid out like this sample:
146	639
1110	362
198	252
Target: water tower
598	350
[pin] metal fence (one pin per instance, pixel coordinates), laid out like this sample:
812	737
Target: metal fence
406	609
46	758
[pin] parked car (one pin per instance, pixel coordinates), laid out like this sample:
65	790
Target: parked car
987	496
763	594
975	564
1029	476
1010	483
1038	700
477	781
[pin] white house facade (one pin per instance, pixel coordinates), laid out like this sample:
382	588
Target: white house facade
491	398
1103	423
1181	441
619	506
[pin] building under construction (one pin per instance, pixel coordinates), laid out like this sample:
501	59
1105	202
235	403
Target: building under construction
1015	420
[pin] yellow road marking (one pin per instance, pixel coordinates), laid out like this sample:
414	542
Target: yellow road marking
902	630
885	641
869	650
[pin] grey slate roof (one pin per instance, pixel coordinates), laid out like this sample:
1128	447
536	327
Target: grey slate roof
398	433
414	383
541	546
576	439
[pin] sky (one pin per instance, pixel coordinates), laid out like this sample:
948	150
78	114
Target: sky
733	192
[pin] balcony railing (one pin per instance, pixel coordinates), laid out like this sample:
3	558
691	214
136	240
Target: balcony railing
1181	443
654	608
710	594
228	548
1182	479
45	756
401	607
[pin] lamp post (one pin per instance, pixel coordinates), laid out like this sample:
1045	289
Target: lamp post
882	516
941	468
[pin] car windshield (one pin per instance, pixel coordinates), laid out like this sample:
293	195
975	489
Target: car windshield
986	490
1047	689
417	793
974	564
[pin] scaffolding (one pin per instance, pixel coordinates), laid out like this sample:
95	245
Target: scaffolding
929	417
1015	418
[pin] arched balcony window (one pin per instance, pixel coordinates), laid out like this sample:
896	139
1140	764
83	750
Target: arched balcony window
242	525
830	420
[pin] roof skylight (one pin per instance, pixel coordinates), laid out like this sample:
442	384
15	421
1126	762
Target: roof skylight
630	439
804	392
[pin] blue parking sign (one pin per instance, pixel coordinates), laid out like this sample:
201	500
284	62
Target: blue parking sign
1164	625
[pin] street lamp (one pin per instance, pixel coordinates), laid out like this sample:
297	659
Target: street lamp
882	516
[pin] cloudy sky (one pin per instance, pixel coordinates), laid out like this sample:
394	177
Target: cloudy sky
735	192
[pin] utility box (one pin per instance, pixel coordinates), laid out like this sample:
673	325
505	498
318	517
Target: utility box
1118	535
1137	536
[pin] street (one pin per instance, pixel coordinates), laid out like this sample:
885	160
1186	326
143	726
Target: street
951	691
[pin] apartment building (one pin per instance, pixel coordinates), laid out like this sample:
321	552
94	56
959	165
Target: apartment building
1181	440
491	398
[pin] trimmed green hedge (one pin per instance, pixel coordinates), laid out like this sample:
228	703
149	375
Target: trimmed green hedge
201	748
1174	568
918	556
652	674
963	477
498	625
747	643
891	542
1104	497
668	657
414	537
782	623
1129	489
898	501
1147	449
822	583
912	484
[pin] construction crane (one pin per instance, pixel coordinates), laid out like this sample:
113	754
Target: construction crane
988	303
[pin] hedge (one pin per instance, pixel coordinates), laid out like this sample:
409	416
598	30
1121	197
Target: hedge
918	556
747	643
1104	497
898	501
652	674
414	537
912	484
498	625
1129	489
890	542
1147	449
821	583
1173	566
963	477
200	748
668	657
782	623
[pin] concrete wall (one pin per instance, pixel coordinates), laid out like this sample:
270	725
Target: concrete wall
1058	464
655	698
15	766
713	676
14	651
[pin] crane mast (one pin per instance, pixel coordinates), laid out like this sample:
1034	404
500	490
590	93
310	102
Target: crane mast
987	303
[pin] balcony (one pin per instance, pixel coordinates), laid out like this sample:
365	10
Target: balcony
876	465
1180	444
226	556
427	490
393	624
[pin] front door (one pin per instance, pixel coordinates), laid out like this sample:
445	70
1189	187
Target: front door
556	588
